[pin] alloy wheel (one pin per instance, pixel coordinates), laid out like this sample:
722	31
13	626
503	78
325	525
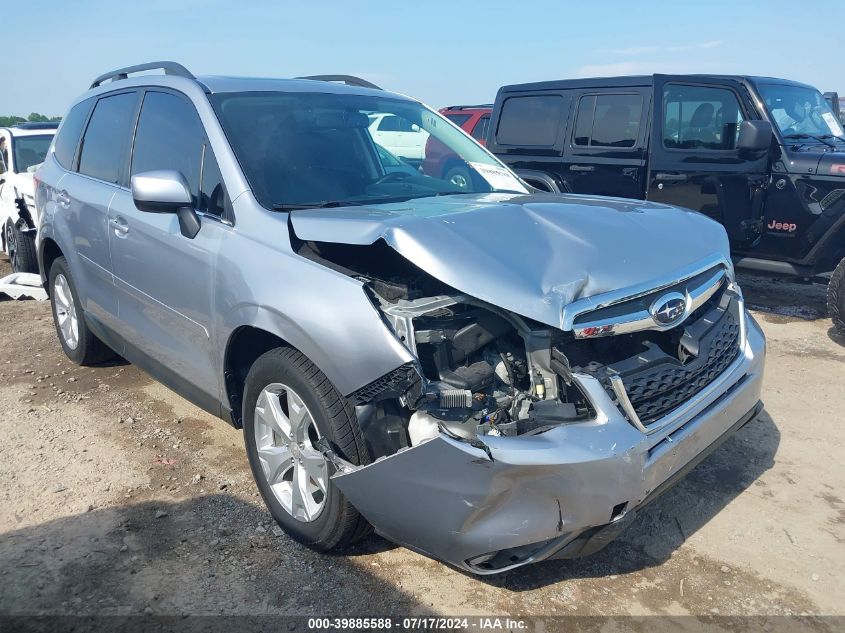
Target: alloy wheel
12	245
66	315
285	439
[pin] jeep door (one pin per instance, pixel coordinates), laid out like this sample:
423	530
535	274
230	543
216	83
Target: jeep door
694	162
164	279
605	153
85	196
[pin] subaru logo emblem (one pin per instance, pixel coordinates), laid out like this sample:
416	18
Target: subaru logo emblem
669	309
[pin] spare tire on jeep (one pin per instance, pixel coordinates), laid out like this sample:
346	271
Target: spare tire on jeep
836	297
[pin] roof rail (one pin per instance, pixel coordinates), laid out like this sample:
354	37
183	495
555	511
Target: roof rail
470	107
169	68
349	80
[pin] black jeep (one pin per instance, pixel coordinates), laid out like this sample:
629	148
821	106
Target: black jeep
765	157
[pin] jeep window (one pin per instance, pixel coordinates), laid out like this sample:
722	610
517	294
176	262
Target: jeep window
798	110
312	149
608	120
530	121
479	132
30	150
458	119
106	139
700	117
2	155
67	138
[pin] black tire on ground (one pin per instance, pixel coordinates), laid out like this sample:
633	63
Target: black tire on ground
339	524
21	249
89	350
836	297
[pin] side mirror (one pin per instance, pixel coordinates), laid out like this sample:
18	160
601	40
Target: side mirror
415	128
166	191
754	136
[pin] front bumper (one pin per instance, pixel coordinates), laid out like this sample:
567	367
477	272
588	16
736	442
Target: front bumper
509	501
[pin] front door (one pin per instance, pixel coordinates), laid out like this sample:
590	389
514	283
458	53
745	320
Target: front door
694	161
164	280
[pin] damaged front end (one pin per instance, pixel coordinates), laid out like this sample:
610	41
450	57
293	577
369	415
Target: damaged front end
507	440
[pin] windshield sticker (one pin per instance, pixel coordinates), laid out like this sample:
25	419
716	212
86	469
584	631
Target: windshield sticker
832	123
498	178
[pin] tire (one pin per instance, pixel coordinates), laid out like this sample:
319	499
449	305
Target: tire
21	249
459	176
324	520
78	341
836	297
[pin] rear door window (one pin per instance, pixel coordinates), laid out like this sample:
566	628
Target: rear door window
67	138
608	120
532	120
479	132
700	117
106	140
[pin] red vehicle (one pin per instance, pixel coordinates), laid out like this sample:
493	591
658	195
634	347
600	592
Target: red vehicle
439	161
473	119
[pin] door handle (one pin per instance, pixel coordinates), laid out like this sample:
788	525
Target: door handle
581	168
671	177
63	199
120	226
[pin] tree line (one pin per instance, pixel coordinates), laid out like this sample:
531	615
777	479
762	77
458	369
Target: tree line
32	118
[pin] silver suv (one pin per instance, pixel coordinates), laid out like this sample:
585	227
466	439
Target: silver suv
489	375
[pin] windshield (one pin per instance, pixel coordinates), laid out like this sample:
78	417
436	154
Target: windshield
314	149
800	111
30	150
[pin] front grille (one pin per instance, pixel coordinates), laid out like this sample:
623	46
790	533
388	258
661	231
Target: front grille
655	391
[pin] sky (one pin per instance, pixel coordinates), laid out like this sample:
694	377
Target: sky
442	53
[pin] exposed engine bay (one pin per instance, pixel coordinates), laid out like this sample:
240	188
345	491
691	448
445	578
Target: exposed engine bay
480	370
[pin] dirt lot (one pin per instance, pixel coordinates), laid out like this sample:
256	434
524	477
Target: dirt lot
119	497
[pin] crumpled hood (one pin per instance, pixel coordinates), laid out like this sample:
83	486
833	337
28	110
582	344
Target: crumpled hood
532	254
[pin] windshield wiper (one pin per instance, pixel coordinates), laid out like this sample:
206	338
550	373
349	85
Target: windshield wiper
326	204
820	139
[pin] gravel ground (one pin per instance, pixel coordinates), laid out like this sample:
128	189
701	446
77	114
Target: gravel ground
122	498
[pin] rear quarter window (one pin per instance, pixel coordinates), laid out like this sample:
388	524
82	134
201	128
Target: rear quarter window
69	132
530	121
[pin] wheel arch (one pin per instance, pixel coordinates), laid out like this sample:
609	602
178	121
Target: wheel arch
48	252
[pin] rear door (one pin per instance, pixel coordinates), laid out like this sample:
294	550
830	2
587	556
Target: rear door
528	132
85	197
605	152
164	280
694	161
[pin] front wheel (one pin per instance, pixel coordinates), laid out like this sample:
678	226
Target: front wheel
289	405
20	246
459	176
836	297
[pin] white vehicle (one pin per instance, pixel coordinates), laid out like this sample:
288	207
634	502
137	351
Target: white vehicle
22	149
399	136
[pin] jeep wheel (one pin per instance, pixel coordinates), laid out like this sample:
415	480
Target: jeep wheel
78	342
289	405
836	297
20	247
